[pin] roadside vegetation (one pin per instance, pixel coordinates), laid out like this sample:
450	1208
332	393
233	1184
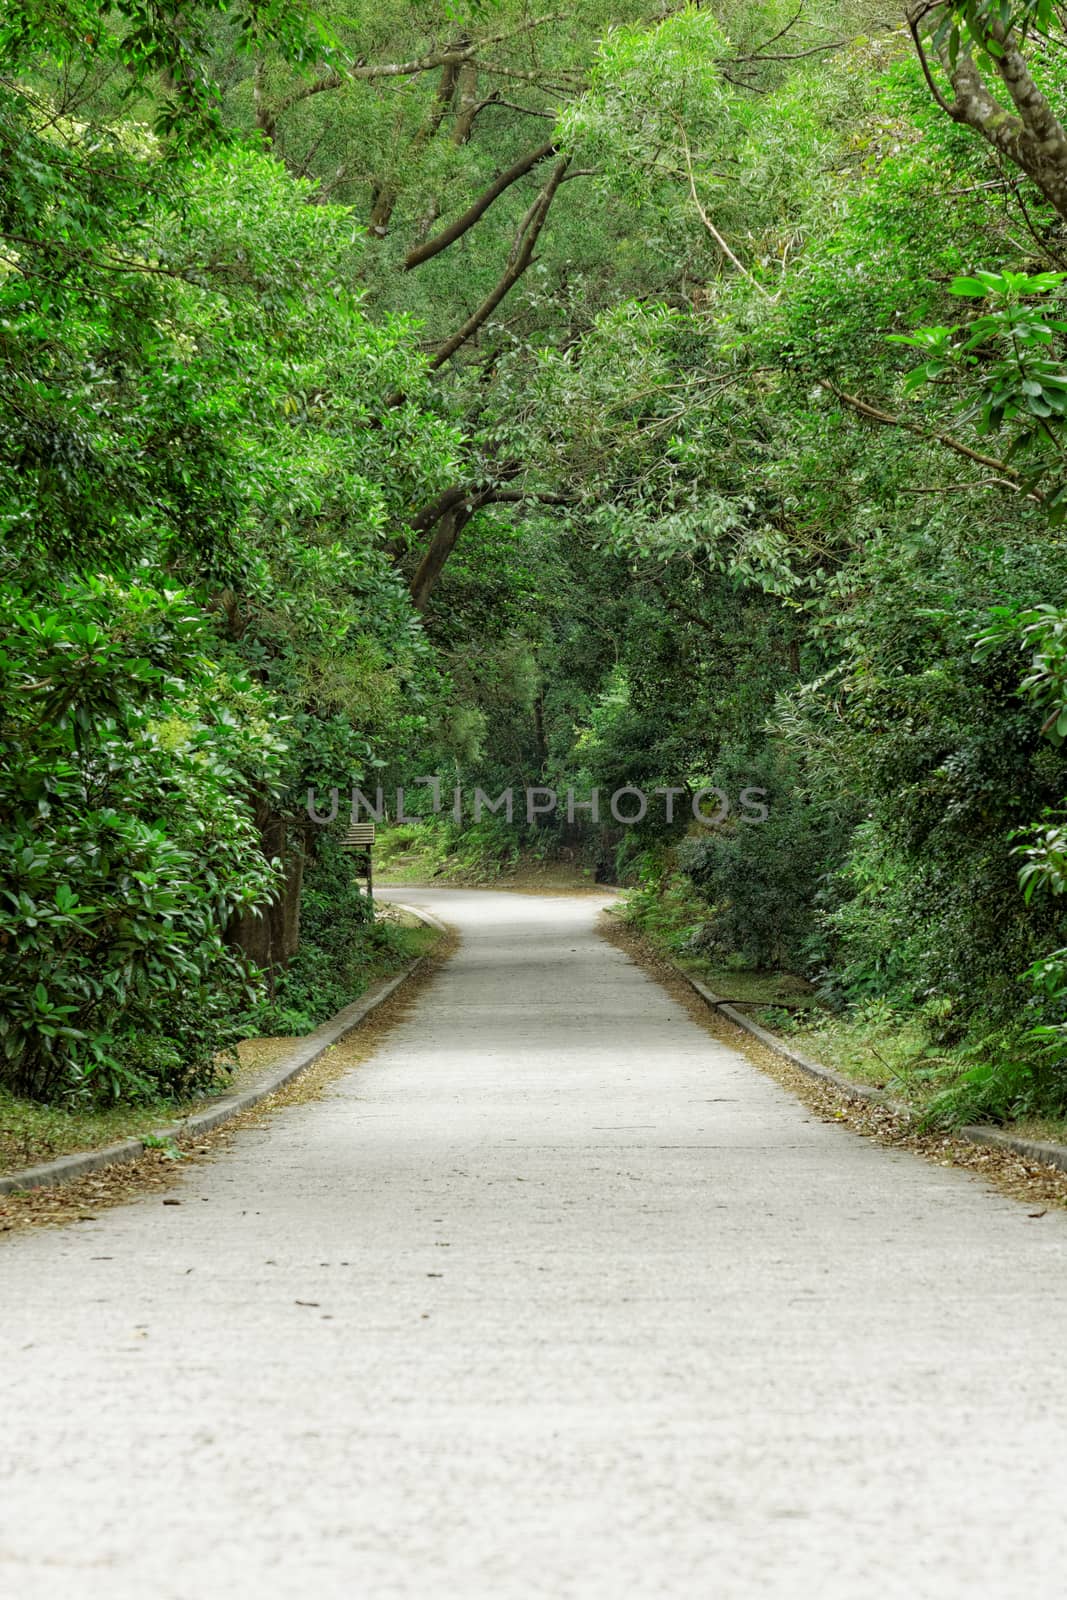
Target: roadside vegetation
33	1131
636	396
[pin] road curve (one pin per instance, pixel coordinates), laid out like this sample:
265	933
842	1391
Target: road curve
554	1296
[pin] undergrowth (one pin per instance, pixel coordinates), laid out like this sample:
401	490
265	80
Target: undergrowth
992	1074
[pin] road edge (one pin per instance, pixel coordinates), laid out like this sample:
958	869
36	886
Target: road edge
304	1053
1053	1155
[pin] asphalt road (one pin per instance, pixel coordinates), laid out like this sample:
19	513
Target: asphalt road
554	1296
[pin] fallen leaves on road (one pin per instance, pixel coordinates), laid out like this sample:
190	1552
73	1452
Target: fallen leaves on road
82	1199
1018	1176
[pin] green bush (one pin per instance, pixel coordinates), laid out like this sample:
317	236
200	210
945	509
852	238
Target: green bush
339	946
765	881
127	843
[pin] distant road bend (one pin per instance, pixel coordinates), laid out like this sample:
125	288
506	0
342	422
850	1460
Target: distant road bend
554	1296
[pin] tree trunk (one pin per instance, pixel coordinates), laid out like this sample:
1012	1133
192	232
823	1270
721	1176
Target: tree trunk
270	937
467	109
437	553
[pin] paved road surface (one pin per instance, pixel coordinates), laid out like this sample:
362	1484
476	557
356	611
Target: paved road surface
600	1312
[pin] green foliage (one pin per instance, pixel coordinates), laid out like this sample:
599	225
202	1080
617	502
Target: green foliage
163	50
1010	375
765	883
199	615
340	949
719	532
126	845
643	88
986	26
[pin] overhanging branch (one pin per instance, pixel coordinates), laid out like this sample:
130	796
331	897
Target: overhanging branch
933	436
519	259
370	71
448	514
455	230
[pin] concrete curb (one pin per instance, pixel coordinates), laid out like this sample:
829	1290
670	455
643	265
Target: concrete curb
303	1054
1053	1155
855	1091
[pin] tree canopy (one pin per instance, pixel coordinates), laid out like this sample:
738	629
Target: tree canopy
632	395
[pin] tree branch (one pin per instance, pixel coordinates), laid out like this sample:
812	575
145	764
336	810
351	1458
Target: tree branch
865	409
541	497
794	55
364	71
1029	134
468	103
432	512
1041	122
656	580
478	495
437	552
520	258
495	99
386	199
574	84
449	513
790	25
455	230
931	84
706	220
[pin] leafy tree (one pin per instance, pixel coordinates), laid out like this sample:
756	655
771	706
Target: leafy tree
994	58
200	479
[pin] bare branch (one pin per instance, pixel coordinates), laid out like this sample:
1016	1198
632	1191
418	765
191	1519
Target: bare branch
369	71
913	28
790	25
1041	122
481	494
573	84
739	83
437	552
387	196
706	220
965	488
495	99
1052	255
794	55
431	514
539	497
467	79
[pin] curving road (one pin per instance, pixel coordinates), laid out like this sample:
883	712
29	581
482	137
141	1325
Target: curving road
591	1309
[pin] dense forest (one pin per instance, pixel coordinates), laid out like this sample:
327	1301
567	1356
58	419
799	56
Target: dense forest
628	396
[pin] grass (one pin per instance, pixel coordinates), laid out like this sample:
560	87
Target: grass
424	852
31	1133
433	852
873	1045
745	986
